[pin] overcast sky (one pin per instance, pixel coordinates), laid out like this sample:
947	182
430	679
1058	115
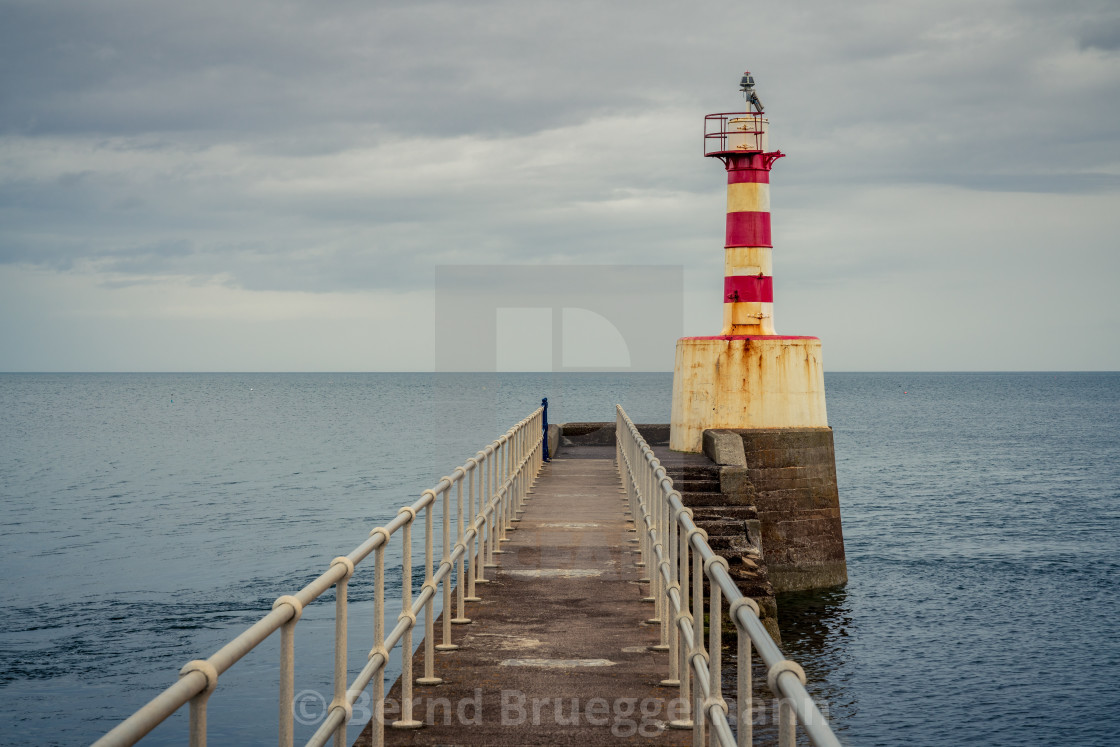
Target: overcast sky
260	186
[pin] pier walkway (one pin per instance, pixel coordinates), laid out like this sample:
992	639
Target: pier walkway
559	651
581	592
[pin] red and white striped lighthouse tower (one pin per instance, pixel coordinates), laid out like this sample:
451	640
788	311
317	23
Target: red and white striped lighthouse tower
748	376
740	141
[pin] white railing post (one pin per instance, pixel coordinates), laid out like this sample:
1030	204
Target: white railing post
197	719
287	668
652	570
406	721
466	587
519	473
429	678
492	484
512	468
715	644
538	453
445	560
658	496
378	721
685	662
673	680
699	717
499	495
507	482
744	717
641	520
514	498
484	559
379	641
477	514
340	646
787	717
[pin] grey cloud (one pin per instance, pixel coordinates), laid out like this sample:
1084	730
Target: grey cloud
1104	37
236	107
421	67
1102	29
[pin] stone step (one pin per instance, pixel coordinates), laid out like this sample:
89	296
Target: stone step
721	527
702	483
697	486
725	545
692	498
714	513
692	472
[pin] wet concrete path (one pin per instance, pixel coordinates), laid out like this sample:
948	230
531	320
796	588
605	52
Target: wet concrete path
558	651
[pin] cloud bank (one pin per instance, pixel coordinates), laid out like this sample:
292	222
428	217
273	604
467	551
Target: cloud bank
948	196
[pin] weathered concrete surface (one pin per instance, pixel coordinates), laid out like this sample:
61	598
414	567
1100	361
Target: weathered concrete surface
724	447
602	434
553	439
561	621
745	382
792	472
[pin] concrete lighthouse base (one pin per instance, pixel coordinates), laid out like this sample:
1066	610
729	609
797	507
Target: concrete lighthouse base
741	381
755	406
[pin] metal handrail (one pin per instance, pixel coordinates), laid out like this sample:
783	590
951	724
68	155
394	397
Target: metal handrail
673	548
497	479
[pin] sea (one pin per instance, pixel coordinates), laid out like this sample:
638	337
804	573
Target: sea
146	519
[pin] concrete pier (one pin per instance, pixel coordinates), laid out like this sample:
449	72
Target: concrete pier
563	640
558	652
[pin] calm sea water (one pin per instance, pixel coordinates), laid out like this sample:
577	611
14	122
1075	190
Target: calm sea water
148	518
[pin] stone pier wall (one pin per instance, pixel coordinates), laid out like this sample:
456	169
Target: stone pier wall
792	482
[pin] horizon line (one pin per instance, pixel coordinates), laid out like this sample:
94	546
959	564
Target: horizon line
576	372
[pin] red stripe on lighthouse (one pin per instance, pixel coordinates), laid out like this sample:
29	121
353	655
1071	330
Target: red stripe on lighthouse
748	176
748	229
756	288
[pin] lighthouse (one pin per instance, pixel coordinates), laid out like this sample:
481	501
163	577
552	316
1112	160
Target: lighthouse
747	376
741	142
750	399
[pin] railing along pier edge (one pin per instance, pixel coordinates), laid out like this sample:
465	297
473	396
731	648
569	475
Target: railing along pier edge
497	481
675	553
